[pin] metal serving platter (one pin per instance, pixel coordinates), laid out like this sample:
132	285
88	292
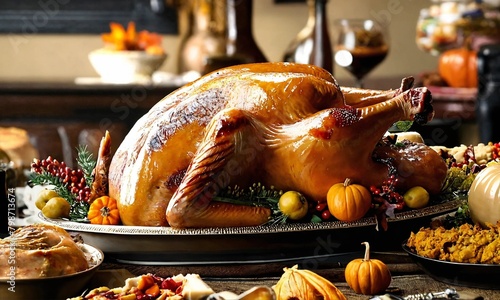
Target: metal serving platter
283	242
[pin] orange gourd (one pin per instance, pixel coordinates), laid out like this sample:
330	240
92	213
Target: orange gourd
458	67
104	211
129	39
348	202
367	276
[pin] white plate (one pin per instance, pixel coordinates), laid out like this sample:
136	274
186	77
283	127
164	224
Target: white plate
30	220
165	245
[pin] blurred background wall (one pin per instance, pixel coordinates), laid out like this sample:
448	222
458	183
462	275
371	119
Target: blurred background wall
64	57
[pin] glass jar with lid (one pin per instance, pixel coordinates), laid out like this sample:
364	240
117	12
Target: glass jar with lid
437	25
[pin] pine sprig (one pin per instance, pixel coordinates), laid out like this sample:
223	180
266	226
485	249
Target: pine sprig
45	178
255	195
86	162
78	209
74	185
460	217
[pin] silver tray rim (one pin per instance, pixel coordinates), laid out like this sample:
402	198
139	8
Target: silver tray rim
432	210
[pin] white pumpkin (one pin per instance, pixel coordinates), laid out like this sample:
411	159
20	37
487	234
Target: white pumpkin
484	196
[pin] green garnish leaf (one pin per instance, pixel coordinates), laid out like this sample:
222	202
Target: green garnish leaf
403	125
86	162
255	195
316	219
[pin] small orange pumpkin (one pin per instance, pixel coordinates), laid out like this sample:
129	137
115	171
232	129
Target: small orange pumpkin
458	67
367	276
104	211
348	202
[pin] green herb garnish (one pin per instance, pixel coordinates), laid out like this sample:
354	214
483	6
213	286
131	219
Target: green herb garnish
86	163
403	125
255	195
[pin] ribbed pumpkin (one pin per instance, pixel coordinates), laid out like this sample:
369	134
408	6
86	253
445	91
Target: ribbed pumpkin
104	211
301	284
348	202
367	276
484	196
458	67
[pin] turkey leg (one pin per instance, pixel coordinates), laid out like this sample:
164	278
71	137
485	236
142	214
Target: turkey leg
337	143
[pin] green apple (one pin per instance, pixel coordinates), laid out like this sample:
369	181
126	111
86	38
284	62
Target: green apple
416	197
44	197
56	208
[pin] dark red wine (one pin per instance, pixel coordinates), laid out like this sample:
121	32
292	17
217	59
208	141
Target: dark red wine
360	61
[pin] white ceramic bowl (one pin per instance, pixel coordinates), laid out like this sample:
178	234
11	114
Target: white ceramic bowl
125	66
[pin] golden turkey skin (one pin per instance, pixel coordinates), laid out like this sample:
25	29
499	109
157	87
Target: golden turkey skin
281	124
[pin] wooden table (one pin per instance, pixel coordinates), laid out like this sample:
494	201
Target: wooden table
407	277
401	285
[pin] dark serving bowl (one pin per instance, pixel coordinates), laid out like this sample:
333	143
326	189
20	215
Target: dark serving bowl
52	288
482	276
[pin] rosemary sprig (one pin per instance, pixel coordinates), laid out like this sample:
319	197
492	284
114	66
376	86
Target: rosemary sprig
78	211
86	163
255	195
49	179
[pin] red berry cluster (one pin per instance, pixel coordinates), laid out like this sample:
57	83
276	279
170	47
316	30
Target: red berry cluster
73	179
108	295
322	209
470	164
142	294
469	158
388	192
170	284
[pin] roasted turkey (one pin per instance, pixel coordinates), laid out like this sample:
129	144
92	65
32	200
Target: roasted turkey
38	251
285	125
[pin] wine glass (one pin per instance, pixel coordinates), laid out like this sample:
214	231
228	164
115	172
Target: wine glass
360	45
